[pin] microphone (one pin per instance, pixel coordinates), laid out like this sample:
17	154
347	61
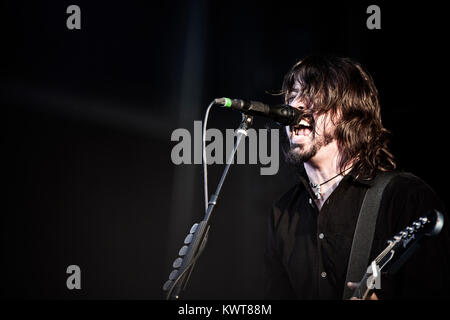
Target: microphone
284	114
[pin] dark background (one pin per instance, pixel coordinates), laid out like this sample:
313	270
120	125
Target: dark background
87	174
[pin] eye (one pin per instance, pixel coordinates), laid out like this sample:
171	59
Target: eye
292	96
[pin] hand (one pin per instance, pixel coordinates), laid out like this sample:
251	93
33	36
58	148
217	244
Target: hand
354	285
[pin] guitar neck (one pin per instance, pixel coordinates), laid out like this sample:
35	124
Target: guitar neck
362	291
401	246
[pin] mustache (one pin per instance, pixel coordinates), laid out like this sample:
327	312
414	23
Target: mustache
308	117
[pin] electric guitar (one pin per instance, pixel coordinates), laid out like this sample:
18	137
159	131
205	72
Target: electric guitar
399	249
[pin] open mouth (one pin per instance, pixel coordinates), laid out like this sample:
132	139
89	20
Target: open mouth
304	128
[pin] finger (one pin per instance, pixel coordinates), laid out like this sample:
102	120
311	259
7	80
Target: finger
352	285
373	297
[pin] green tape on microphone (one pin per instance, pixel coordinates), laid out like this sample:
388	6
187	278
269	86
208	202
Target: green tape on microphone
227	102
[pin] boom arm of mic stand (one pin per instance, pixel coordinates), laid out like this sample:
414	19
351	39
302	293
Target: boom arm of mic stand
199	236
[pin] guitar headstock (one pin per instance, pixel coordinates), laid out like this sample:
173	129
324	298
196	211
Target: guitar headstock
395	254
430	225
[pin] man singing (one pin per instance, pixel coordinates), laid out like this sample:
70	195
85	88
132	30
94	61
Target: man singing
339	148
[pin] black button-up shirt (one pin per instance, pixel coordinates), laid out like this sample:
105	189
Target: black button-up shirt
308	249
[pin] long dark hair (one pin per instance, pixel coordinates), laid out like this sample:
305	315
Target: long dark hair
342	89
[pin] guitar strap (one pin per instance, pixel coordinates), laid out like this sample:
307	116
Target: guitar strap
365	230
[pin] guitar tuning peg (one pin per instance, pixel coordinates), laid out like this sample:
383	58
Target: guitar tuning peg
183	250
424	220
177	262
188	238
167	285
194	228
173	274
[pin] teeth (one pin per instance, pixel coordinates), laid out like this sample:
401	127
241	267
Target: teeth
304	123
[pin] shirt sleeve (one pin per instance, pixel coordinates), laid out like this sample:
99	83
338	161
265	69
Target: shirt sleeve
277	285
425	274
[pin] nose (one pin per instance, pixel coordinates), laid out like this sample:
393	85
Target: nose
297	103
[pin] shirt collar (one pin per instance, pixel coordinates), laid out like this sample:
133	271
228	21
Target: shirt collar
353	177
357	177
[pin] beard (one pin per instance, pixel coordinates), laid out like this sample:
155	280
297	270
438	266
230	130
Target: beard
297	154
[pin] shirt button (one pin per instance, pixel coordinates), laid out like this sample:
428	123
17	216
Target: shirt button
323	274
321	235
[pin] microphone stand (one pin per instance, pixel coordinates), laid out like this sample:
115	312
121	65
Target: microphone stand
195	241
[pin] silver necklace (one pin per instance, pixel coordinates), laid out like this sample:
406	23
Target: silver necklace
316	187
